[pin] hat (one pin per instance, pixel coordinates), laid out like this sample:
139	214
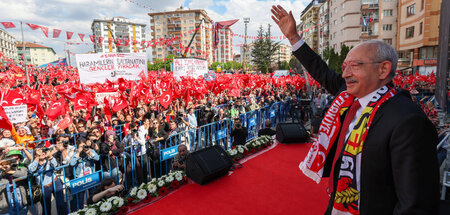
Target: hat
15	152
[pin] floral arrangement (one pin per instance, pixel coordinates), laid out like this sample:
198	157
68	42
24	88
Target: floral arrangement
238	152
143	193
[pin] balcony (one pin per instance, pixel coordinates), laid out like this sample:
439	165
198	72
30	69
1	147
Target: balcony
369	35
369	6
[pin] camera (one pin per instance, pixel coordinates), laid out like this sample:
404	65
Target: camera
85	147
65	143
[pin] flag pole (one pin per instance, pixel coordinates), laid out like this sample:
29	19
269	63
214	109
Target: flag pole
23	55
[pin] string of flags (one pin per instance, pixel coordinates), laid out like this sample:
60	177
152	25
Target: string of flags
140	5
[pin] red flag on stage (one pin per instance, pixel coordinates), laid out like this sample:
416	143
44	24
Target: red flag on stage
8	25
81	37
33	26
4	121
56	33
64	123
69	35
166	98
44	30
56	109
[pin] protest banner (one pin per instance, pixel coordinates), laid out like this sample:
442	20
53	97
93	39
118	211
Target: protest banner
96	68
189	67
16	114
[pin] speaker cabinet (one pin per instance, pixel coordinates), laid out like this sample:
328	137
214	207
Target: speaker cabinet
208	164
291	133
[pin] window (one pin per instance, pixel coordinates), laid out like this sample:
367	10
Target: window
335	10
429	52
191	14
342	18
422	5
420	28
191	21
334	22
342	5
342	32
158	30
387	0
387	27
410	32
411	10
388	41
387	12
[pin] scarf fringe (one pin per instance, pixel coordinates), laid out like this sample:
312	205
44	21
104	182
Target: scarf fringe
310	174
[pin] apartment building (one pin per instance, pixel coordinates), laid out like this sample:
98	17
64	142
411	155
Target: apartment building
8	45
345	23
418	34
179	24
118	35
284	53
36	54
224	50
309	23
323	27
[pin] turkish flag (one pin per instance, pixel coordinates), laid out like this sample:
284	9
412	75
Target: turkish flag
4	121
119	104
69	35
12	98
33	97
56	33
234	92
81	102
63	89
44	30
33	26
81	37
166	98
63	124
107	109
8	25
92	38
56	109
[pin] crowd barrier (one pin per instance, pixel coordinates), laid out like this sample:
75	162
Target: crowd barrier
72	183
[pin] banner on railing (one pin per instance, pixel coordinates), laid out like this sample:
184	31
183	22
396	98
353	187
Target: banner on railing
96	68
84	183
272	113
251	122
220	134
16	114
169	152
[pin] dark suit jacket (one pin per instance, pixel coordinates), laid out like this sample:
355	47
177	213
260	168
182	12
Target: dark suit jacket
399	169
266	131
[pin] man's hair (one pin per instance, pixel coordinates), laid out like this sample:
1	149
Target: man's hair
384	52
268	123
106	182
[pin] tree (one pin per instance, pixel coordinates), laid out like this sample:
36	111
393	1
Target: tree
284	65
264	50
161	63
334	59
295	64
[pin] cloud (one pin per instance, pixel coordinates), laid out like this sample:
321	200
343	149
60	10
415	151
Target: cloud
77	16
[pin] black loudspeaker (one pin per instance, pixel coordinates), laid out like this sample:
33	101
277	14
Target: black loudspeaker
291	133
208	164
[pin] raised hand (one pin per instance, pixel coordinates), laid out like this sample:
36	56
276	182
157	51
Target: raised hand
286	23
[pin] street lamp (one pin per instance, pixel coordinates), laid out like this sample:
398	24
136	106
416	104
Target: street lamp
246	21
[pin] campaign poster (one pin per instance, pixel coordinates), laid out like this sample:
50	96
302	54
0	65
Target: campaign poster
96	68
16	114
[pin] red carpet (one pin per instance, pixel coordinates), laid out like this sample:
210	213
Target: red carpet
270	183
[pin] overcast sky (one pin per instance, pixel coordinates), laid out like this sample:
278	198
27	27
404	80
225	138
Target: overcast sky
77	15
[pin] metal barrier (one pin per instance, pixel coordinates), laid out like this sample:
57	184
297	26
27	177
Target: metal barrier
131	167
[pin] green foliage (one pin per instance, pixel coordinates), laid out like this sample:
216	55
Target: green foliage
161	64
284	65
334	59
264	50
295	64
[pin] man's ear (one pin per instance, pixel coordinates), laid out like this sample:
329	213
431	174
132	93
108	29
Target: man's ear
384	69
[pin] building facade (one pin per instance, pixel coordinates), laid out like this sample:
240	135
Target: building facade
418	34
36	54
8	45
323	27
118	35
224	50
284	53
310	22
179	25
345	23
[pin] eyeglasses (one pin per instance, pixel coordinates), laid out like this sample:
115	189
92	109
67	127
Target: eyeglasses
80	126
351	64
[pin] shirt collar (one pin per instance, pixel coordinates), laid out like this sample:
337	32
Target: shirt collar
366	99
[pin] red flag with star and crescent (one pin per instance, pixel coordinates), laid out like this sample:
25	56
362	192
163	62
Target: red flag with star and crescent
64	123
56	109
166	98
4	121
12	98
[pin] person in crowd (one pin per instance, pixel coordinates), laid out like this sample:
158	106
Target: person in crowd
107	188
7	140
173	128
82	132
112	149
138	138
179	162
12	167
267	130
403	178
315	124
192	125
238	133
23	137
43	165
83	162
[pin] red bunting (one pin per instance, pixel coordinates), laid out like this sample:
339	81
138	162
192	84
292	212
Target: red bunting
56	33
8	25
69	35
81	37
92	38
100	39
33	26
44	30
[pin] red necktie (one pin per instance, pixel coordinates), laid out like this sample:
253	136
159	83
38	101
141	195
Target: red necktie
345	126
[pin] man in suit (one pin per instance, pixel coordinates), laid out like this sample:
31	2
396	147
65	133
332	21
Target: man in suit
267	130
386	166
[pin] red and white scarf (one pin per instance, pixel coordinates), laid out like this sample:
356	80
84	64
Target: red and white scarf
348	187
